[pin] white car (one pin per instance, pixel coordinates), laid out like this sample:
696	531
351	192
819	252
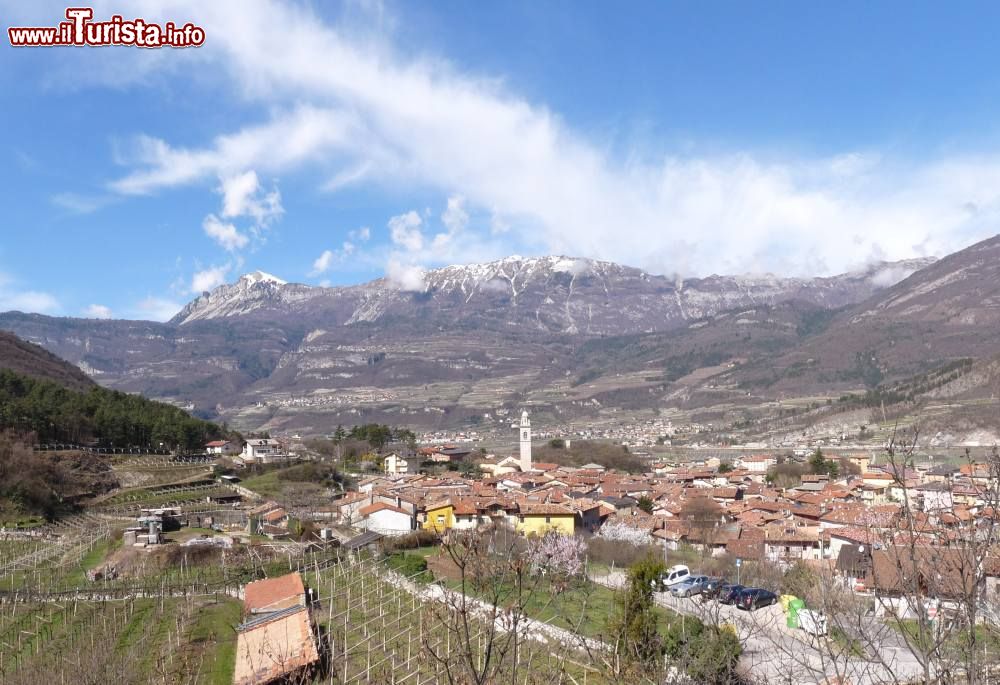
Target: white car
673	576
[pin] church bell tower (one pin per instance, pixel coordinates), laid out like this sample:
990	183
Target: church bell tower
525	442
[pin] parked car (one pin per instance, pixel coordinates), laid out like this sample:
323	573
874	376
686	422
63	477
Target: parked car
711	588
729	593
672	576
754	598
813	622
694	585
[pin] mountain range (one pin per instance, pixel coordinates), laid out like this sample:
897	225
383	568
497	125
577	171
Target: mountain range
572	337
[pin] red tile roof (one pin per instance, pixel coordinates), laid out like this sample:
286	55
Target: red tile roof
274	593
380	506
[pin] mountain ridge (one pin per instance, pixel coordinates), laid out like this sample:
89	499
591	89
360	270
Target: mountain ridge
505	280
566	335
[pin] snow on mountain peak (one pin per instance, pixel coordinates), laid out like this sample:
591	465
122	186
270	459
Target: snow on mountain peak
262	277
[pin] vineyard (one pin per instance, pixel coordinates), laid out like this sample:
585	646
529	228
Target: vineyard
134	641
177	625
173	625
378	627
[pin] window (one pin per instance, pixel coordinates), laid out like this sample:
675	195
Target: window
525	436
440	518
548	519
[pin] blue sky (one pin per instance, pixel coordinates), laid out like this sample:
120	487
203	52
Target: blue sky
334	143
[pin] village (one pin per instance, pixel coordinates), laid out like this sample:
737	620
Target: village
848	521
799	551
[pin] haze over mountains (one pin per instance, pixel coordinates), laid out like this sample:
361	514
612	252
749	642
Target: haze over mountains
572	337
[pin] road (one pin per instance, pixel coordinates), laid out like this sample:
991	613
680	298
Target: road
775	654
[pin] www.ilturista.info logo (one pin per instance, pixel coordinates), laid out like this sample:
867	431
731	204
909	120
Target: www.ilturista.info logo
81	30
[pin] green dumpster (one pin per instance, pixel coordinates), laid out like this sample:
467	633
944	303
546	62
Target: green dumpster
794	607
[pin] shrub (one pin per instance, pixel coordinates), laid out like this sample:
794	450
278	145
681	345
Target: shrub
418	538
633	627
620	552
412	566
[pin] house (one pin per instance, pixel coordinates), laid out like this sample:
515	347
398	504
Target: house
784	543
386	519
936	497
854	562
263	451
942	473
440	517
588	514
848	536
862	461
347	506
496	466
256	517
538	519
924	571
620	504
221	447
446	453
758	463
276	646
396	465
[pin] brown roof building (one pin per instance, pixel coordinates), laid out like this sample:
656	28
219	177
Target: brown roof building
273	594
276	646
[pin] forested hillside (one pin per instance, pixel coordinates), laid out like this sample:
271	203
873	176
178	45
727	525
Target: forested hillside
111	418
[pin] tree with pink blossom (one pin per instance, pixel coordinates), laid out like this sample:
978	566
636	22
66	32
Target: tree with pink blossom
556	555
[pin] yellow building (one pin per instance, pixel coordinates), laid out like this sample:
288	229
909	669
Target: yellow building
440	517
538	519
861	461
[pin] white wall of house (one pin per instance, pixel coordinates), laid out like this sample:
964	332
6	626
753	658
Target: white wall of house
396	465
938	500
389	522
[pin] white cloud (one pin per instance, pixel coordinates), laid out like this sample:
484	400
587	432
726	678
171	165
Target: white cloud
454	217
237	191
498	224
339	101
14	298
329	258
404	231
156	309
225	234
362	234
97	311
408	277
79	203
323	263
243	196
209	278
28	301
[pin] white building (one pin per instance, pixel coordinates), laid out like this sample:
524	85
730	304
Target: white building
386	519
223	447
396	465
525	442
263	451
758	463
